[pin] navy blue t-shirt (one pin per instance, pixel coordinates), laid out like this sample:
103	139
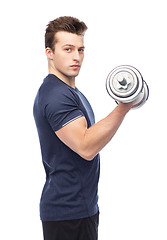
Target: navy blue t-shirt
71	188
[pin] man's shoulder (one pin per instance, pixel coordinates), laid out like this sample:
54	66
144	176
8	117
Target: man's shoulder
51	86
53	89
50	83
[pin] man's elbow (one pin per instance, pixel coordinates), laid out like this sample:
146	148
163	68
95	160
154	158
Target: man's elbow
86	152
89	156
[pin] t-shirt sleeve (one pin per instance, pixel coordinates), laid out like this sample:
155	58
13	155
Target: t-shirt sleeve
62	109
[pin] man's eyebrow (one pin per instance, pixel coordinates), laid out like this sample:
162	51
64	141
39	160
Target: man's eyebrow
70	45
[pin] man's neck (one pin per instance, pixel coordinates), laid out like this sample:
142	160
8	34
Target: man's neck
69	81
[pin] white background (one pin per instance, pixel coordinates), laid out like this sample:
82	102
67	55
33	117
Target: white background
133	182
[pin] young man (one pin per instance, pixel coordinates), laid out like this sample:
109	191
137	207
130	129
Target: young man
69	138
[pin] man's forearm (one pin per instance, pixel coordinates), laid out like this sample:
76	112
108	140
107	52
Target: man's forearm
98	135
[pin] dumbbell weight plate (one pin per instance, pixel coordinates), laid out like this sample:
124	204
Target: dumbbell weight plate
124	83
142	98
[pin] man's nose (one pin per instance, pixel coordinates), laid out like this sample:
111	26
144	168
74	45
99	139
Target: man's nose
76	55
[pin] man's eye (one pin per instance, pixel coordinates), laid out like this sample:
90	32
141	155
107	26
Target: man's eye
68	49
81	50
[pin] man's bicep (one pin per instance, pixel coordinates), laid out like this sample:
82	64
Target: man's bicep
72	134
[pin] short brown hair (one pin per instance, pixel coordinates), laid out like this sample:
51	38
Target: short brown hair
67	24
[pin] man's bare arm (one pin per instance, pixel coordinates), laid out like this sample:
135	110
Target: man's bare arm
87	142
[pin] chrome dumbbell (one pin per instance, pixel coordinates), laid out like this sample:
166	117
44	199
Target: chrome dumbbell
125	84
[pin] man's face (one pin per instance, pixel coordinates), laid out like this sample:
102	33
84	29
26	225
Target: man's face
68	55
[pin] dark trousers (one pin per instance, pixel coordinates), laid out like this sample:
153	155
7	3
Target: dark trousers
80	229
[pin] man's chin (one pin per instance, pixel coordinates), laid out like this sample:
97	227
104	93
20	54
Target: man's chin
73	75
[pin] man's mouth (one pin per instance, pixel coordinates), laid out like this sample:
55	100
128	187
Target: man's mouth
75	66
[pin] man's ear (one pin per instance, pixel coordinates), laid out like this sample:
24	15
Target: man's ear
49	53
